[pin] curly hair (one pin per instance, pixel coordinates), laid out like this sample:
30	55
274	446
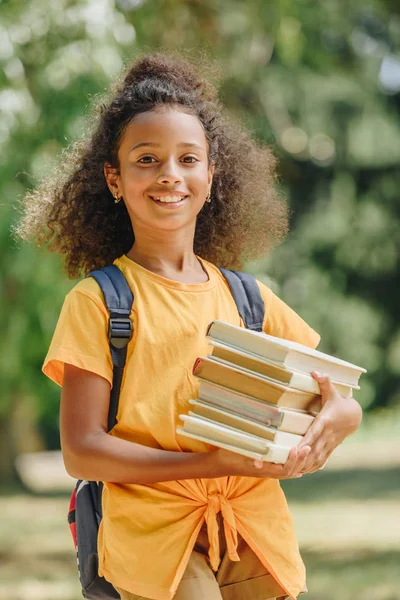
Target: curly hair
73	212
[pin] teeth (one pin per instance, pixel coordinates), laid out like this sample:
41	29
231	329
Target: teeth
169	199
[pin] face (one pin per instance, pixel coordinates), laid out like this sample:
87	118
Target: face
164	175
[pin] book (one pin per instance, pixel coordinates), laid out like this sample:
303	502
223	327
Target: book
253	385
220	436
292	421
291	355
275	454
272	434
273	370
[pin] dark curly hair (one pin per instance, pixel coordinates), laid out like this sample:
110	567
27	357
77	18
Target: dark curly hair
73	210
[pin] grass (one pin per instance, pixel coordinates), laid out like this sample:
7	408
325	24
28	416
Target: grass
350	544
353	575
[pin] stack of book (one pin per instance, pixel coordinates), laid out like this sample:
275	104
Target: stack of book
256	395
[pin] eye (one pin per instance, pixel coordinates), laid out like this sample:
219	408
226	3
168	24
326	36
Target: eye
148	160
146	163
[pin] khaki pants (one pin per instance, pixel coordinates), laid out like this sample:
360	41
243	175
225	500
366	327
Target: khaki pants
244	580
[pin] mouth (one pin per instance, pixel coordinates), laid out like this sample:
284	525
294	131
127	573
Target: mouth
169	201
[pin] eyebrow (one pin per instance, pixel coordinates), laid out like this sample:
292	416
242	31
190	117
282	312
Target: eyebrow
154	145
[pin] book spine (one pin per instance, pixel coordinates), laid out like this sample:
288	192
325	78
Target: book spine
202	438
291	421
296	422
223	433
285	438
253	347
243	406
305	382
275	454
248	426
243	360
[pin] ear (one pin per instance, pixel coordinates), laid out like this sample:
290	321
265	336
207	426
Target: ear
211	170
112	178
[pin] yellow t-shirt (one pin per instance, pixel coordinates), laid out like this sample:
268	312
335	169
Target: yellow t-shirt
148	531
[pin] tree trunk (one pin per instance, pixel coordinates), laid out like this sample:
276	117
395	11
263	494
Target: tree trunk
18	434
7	453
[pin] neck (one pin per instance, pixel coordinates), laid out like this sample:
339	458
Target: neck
169	254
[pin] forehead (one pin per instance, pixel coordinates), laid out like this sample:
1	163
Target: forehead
165	125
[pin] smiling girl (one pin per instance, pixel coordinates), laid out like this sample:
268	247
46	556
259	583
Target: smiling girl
166	188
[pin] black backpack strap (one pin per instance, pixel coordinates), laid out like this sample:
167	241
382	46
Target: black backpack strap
247	296
119	299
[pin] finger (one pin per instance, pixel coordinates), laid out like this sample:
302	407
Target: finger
303	462
327	389
328	451
313	456
317	458
291	460
279	471
313	433
272	470
288	470
295	467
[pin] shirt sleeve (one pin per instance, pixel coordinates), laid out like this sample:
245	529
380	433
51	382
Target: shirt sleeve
282	321
81	338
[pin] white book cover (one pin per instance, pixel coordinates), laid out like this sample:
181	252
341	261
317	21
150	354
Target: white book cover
274	454
291	354
282	438
223	433
298	379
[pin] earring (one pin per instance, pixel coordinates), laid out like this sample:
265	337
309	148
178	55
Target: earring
208	199
116	199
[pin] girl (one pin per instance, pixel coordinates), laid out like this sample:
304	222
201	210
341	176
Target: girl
166	188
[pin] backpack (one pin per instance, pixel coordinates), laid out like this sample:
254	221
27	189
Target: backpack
85	510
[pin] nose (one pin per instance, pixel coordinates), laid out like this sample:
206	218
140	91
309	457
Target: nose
169	173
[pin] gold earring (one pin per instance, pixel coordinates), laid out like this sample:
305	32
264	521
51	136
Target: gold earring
116	199
208	199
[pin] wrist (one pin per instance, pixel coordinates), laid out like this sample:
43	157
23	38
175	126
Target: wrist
215	465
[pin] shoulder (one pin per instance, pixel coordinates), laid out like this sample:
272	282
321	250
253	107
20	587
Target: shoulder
266	292
80	337
280	320
87	291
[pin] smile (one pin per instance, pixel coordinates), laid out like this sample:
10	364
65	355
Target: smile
169	199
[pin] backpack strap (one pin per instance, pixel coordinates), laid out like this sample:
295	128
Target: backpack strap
119	299
247	296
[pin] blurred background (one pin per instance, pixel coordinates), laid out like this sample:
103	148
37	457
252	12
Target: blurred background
319	81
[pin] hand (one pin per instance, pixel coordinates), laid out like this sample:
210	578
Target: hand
232	463
339	417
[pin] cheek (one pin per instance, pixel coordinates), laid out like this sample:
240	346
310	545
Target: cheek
199	179
135	180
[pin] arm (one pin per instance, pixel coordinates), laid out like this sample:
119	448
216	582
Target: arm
91	453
